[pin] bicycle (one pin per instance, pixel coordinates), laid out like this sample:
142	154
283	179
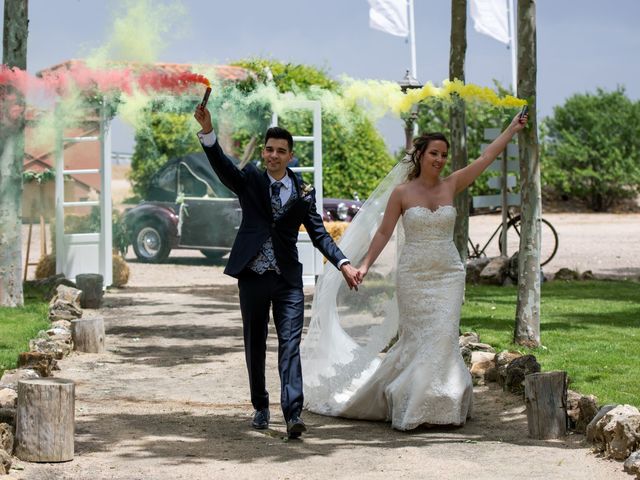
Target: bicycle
549	239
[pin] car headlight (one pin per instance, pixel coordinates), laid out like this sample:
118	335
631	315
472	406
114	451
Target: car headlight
342	211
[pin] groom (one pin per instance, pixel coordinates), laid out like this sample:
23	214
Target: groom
264	259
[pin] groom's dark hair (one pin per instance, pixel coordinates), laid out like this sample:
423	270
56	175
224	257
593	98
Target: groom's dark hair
420	144
280	133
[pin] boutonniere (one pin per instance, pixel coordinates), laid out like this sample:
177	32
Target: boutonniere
306	189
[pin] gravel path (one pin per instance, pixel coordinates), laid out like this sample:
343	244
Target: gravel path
169	399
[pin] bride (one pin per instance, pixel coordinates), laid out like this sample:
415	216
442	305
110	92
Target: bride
422	378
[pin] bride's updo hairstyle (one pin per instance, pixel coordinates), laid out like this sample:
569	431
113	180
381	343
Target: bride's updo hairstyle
420	144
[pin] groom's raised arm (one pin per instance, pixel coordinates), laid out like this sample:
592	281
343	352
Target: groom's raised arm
232	177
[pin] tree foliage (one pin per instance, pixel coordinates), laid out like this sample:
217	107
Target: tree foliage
591	148
355	157
167	135
288	77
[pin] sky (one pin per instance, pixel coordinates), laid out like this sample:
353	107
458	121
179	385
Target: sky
582	44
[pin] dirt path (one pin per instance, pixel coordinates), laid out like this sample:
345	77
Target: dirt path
169	400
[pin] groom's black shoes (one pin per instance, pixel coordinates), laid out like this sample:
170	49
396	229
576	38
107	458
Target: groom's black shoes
295	427
260	419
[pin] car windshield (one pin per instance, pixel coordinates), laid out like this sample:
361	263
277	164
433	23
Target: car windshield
190	175
163	184
191	185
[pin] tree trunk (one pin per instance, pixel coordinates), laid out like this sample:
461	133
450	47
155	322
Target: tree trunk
545	395
88	334
45	420
457	122
527	327
14	43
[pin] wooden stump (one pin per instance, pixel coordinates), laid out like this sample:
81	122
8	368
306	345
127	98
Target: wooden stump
546	399
88	334
45	420
91	286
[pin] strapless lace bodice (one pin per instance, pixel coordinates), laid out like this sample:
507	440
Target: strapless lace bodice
422	224
429	249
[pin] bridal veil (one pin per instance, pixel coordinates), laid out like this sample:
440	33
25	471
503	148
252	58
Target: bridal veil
348	329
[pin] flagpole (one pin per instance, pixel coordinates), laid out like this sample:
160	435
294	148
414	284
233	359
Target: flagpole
512	46
412	41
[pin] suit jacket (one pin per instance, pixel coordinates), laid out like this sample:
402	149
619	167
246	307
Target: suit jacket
252	187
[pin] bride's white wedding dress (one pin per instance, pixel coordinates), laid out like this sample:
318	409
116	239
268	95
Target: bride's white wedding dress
422	378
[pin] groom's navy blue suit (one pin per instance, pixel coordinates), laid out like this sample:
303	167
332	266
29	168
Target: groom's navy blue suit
282	290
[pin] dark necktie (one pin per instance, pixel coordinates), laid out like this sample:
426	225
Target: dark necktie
276	203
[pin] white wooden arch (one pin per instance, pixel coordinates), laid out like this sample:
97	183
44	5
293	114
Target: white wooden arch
78	253
310	258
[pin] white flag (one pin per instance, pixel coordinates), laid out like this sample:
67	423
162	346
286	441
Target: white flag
490	18
390	16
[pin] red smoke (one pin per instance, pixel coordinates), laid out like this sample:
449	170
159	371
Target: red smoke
172	82
61	81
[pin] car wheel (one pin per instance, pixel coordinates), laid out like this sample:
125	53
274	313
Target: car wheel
150	242
213	254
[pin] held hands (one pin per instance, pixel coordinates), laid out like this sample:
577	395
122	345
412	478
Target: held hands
350	275
203	117
361	273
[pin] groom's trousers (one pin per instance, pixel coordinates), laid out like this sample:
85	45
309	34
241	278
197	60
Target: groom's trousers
259	292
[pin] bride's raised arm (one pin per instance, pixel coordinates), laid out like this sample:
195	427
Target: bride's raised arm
465	176
391	214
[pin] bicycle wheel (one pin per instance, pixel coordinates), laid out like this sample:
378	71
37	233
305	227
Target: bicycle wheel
549	239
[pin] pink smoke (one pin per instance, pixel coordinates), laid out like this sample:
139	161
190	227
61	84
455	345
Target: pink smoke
61	81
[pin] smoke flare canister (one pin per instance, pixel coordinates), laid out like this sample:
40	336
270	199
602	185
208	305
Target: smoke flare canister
205	99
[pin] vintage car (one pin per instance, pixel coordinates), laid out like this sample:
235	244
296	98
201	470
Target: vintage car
188	207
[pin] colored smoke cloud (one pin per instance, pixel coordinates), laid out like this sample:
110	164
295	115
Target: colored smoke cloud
123	69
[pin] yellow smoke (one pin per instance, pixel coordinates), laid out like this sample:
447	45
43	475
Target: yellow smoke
139	32
382	97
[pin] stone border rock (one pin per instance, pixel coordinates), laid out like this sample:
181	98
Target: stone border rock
503	271
41	359
614	430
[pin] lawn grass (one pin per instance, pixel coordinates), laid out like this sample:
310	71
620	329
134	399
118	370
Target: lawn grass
590	329
17	327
